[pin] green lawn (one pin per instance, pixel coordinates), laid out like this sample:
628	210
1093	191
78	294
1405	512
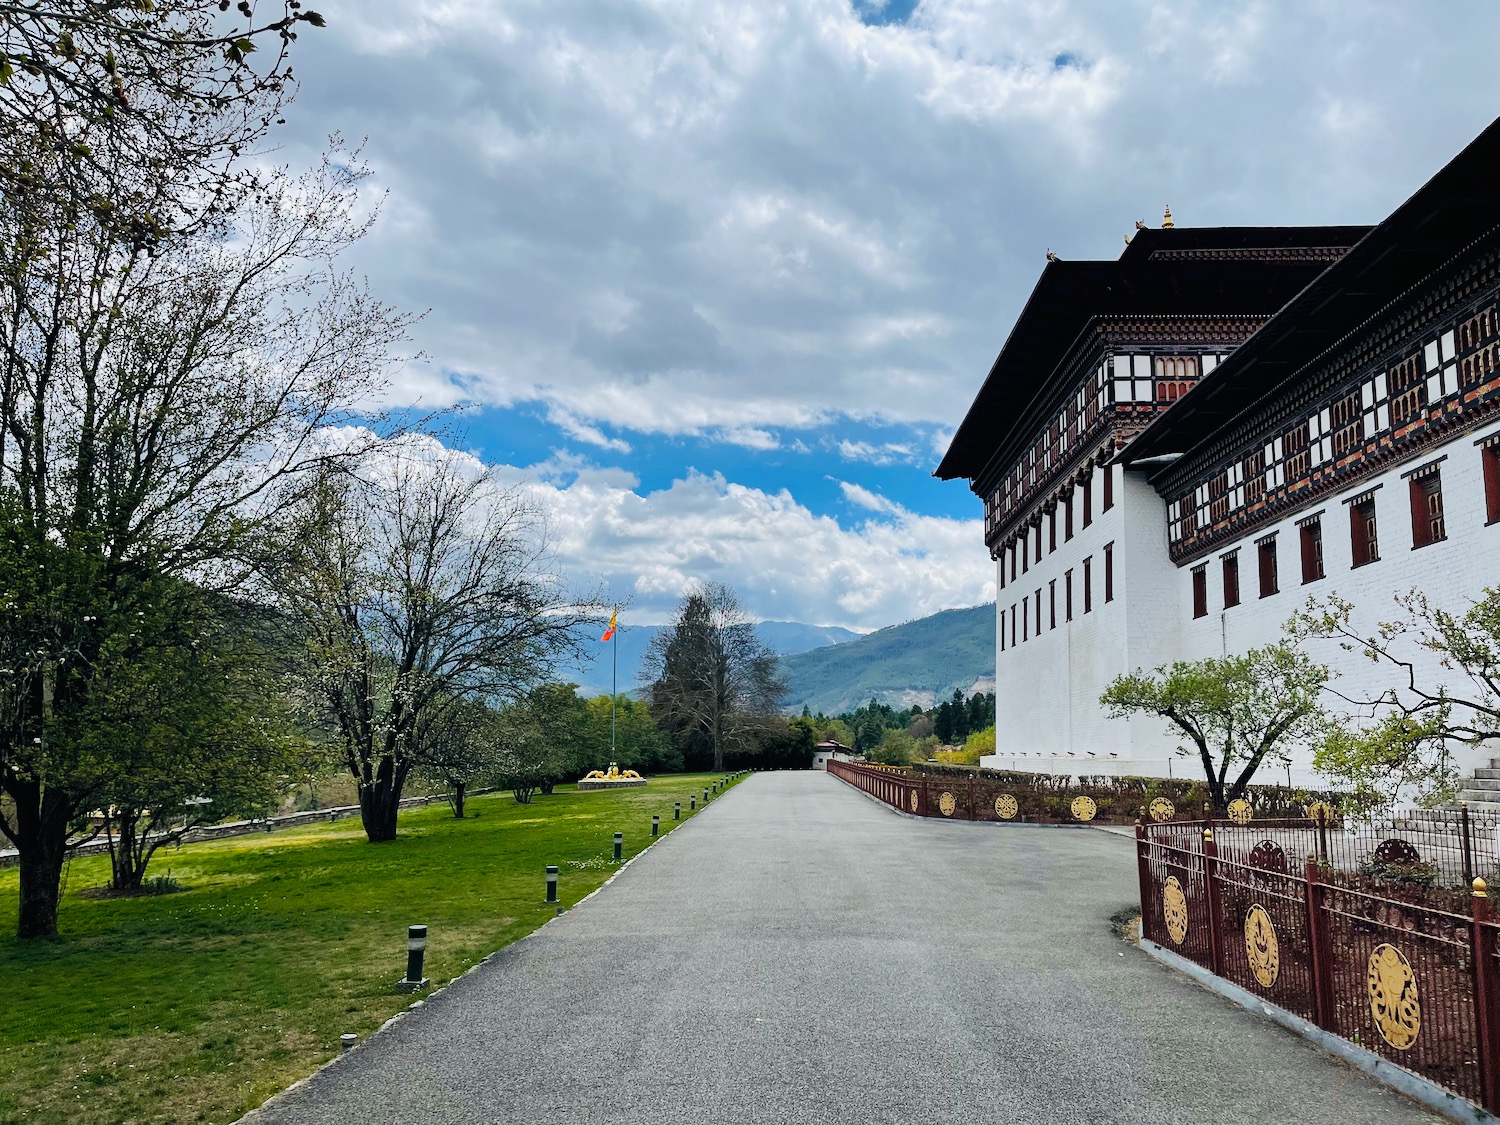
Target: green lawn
197	1006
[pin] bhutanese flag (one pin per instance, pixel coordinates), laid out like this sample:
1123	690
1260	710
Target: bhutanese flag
610	632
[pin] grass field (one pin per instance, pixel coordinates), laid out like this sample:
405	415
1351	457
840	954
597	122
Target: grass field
198	1005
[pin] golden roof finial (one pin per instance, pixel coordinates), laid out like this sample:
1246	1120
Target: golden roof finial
1166	218
1127	240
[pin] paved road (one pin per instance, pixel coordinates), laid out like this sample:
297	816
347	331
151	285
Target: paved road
798	953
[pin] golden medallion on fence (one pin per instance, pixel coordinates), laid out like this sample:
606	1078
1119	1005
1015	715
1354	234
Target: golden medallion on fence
1174	909
1241	811
1393	997
1162	810
913	800
1261	946
1084	808
1320	810
947	803
1006	807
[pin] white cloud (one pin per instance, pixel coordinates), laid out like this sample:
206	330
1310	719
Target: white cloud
785	561
864	498
884	453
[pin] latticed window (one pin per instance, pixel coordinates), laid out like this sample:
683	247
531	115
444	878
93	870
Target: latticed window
1374	400
1477	335
1363	540
1295	443
1348	424
1231	579
1310	534
1218	498
1235	482
1406	386
1426	488
1490	460
1265	550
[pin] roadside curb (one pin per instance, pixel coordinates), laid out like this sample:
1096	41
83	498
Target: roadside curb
1403	1081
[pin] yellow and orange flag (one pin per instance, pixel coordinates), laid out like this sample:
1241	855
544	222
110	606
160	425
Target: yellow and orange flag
610	632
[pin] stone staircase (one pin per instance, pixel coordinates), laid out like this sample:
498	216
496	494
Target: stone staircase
1482	791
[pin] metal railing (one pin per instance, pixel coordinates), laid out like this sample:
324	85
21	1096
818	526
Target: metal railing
1361	929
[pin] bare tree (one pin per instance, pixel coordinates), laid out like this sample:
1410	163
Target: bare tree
425	585
711	676
127	118
157	409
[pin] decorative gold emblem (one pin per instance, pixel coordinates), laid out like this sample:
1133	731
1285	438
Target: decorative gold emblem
1162	810
1261	946
1006	807
1320	810
1174	909
1241	811
1084	808
1393	997
947	803
913	800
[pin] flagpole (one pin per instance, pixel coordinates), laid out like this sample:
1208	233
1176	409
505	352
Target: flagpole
614	685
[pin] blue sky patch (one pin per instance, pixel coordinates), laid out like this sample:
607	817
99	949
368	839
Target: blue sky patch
880	12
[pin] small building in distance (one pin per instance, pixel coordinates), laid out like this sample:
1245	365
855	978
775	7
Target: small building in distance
1170	447
833	748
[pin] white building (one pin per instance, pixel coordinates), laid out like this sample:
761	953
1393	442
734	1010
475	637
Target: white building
1199	448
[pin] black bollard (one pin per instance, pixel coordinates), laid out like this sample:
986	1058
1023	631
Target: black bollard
656	826
692	803
551	883
416	949
677	810
619	845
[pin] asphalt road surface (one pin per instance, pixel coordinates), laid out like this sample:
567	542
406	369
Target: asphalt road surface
797	953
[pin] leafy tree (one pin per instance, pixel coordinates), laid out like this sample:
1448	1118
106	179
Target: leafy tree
457	742
895	749
542	737
711	677
418	588
1233	712
640	744
959	709
1416	722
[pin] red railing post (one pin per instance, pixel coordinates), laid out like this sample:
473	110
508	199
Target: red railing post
1143	870
1317	941
973	812
1486	997
1211	892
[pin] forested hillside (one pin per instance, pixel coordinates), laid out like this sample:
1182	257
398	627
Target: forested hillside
920	662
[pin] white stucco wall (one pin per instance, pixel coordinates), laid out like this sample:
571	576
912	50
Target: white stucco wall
1451	573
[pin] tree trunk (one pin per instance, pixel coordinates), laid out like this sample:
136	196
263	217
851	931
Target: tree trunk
547	786
125	853
458	800
41	839
379	805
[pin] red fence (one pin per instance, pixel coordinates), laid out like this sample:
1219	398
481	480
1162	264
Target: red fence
1364	942
967	796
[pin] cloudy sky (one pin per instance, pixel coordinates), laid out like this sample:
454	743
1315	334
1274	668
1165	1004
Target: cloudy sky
718	278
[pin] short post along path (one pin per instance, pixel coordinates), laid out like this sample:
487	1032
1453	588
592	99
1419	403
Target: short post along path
799	954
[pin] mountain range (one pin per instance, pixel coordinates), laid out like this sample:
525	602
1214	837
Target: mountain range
831	669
